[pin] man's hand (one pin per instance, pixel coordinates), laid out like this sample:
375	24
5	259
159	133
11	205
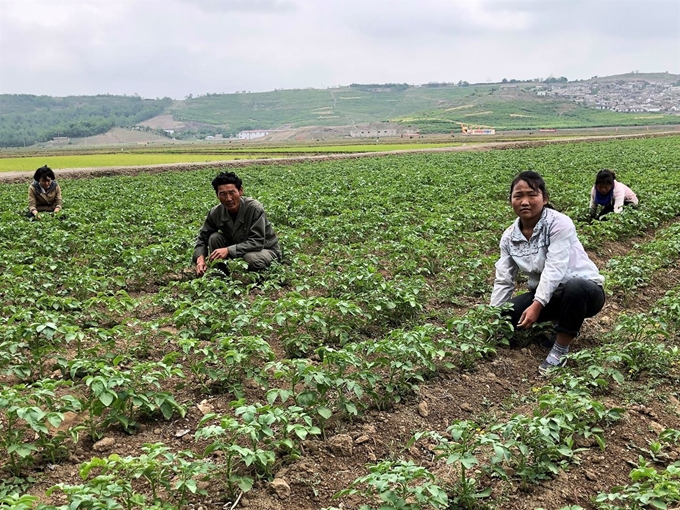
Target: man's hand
201	266
530	315
219	253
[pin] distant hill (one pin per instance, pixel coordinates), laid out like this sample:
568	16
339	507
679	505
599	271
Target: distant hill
651	77
26	119
429	108
620	100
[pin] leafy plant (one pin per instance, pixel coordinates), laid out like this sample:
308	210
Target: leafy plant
461	450
650	489
30	418
398	485
119	396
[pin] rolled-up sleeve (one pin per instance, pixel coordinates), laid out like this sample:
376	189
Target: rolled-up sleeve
562	236
506	272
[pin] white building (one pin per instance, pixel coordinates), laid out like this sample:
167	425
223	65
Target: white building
252	133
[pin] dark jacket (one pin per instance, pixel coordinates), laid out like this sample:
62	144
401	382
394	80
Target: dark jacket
250	231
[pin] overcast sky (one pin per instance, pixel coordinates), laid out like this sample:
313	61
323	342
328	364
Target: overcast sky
158	48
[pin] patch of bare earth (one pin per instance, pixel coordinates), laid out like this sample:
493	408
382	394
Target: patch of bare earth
121	136
162	122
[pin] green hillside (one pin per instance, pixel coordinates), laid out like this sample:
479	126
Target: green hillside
305	107
431	108
519	108
428	108
26	119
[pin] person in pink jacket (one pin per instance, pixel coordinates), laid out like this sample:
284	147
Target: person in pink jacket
609	195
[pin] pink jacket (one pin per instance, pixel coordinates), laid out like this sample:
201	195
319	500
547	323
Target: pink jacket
622	194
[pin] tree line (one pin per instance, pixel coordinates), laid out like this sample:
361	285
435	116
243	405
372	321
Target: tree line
27	119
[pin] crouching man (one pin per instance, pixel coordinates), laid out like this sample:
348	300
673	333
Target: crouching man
235	228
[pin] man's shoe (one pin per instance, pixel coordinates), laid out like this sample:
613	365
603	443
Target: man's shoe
220	270
222	266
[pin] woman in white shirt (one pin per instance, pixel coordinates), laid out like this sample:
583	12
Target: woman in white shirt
609	194
564	285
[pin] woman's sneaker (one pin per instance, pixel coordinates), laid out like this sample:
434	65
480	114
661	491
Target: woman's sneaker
557	357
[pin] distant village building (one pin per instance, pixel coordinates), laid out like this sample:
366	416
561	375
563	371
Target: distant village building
372	132
60	140
253	133
637	96
478	131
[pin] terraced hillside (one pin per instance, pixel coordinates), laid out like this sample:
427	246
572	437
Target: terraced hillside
429	109
432	108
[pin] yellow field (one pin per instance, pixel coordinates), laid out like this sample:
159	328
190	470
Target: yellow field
104	160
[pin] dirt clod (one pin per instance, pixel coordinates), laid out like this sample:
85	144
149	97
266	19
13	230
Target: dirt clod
280	487
466	407
341	445
103	444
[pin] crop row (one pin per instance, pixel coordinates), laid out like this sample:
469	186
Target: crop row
629	273
105	321
530	448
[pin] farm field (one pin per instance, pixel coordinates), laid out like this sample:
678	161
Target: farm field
103	160
365	369
189	155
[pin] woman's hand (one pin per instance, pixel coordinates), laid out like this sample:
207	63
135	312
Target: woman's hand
530	315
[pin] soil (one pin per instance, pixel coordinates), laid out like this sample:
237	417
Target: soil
163	122
493	392
118	136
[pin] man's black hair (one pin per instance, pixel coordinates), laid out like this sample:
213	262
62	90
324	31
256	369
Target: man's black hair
43	171
227	178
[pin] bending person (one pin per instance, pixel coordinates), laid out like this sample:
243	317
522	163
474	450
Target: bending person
235	228
564	285
44	194
609	194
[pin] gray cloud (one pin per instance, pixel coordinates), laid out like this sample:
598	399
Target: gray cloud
177	47
254	6
629	19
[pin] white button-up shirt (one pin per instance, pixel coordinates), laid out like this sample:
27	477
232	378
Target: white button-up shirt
552	256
